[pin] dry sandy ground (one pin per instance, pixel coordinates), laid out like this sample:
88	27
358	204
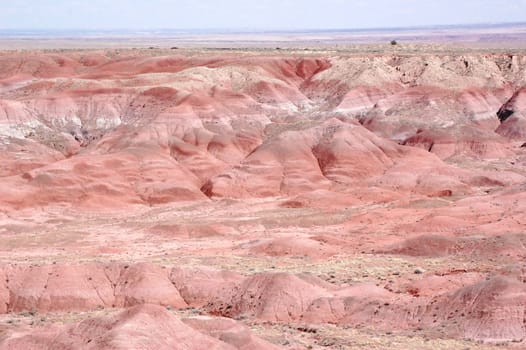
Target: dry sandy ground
263	199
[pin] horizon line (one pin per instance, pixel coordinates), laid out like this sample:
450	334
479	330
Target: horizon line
261	30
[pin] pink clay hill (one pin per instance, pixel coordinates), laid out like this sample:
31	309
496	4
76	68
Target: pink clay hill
193	199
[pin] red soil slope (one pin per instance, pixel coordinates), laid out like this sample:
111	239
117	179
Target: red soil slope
260	192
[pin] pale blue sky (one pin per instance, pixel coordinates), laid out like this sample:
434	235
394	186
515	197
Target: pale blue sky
246	14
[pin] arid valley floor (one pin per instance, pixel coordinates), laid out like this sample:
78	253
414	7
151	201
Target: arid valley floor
263	199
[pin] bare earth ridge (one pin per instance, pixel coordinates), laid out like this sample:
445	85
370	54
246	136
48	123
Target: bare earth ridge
200	199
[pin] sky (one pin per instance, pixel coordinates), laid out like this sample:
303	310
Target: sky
248	15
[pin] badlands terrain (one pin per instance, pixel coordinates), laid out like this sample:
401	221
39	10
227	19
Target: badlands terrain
262	199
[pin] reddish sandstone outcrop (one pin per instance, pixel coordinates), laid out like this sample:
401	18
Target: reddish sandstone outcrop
144	327
360	190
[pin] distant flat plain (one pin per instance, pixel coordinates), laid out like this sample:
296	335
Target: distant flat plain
432	38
